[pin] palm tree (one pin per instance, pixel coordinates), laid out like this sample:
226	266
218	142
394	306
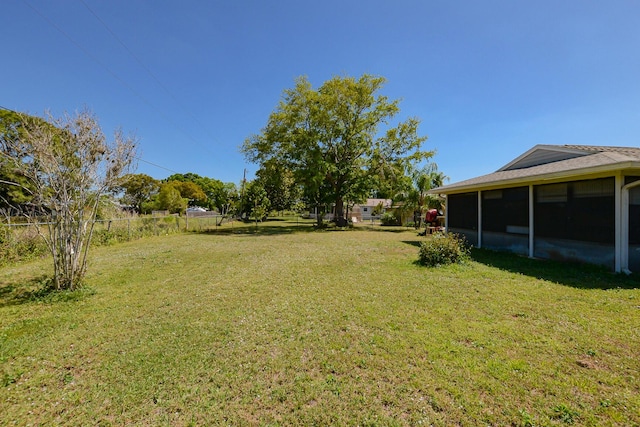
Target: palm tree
425	179
435	179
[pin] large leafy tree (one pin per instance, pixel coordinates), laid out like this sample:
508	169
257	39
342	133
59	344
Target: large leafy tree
15	191
332	139
187	185
138	189
279	183
255	203
210	187
224	197
170	199
213	193
192	192
184	177
68	165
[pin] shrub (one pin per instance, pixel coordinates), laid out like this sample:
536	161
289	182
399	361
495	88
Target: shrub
20	244
441	249
110	237
389	218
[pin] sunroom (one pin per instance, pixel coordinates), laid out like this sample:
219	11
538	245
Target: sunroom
567	202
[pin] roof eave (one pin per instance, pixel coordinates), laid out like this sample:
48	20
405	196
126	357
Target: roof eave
557	148
536	179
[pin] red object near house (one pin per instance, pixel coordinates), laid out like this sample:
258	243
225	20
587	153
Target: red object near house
431	215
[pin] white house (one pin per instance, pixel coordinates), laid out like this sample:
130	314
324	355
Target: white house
364	212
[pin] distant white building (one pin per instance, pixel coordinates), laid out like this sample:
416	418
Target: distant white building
362	212
365	212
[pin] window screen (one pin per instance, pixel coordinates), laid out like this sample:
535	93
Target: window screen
462	210
504	208
579	210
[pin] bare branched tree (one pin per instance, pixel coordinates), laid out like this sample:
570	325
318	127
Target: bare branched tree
68	165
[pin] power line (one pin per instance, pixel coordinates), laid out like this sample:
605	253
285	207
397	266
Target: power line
153	164
86	52
113	74
133	55
142	64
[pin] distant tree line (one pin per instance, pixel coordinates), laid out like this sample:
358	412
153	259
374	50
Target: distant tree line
178	192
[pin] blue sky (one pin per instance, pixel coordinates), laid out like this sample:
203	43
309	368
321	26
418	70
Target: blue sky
194	79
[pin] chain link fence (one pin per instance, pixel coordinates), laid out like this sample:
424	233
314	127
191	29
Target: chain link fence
21	241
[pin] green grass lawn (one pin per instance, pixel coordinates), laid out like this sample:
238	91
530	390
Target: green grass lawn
288	326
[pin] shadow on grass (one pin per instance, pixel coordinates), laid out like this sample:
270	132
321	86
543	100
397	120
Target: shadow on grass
262	229
37	289
386	228
277	226
577	275
415	243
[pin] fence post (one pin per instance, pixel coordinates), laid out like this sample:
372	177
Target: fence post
129	228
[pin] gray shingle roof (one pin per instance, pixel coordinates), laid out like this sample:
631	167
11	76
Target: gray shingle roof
590	159
632	151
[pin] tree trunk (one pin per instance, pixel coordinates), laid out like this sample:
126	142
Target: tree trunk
339	217
319	216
